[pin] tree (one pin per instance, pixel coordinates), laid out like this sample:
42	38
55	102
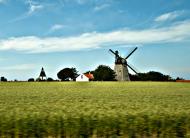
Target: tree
3	79
104	73
150	76
67	73
31	80
178	78
38	79
50	79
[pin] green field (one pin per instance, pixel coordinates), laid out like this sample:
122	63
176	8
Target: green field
94	109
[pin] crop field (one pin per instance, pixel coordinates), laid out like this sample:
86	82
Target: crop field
94	109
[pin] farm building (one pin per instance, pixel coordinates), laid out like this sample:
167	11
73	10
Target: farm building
85	77
82	77
42	76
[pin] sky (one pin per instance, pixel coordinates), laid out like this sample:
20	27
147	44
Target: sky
78	33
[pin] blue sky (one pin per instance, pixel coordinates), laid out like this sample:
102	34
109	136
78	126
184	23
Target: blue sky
78	33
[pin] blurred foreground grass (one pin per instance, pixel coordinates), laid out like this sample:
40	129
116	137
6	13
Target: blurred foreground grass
94	109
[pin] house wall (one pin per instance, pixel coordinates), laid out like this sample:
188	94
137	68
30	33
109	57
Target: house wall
82	77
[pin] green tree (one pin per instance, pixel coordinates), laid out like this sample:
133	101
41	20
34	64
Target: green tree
179	78
50	79
31	80
3	79
150	76
67	73
104	73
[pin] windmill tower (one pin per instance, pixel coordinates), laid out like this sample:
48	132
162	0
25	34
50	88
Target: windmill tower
121	66
42	74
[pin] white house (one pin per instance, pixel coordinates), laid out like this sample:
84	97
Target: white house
82	78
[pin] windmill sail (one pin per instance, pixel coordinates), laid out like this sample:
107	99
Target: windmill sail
131	68
131	53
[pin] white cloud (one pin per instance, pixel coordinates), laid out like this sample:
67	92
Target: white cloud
168	16
56	27
33	44
101	7
19	67
34	7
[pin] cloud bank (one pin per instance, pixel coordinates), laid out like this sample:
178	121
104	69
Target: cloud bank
33	44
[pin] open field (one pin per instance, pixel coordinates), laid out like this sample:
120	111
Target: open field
94	109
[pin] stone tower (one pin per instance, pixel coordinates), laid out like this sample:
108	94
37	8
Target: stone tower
121	66
121	72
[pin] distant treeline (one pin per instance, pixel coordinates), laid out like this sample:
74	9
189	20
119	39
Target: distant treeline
152	76
102	73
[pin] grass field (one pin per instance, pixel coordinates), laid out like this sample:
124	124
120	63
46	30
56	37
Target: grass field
94	109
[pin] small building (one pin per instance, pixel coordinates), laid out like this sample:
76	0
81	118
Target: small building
82	78
42	76
85	77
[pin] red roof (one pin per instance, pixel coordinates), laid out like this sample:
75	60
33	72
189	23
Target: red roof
89	75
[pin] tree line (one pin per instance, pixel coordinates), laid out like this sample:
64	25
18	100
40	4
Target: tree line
105	73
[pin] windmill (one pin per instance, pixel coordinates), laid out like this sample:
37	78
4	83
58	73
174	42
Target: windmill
121	66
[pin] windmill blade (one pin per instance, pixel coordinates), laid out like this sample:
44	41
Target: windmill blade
112	51
131	68
131	53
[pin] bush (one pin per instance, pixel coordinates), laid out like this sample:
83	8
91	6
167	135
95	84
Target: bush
31	80
150	76
50	79
3	79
